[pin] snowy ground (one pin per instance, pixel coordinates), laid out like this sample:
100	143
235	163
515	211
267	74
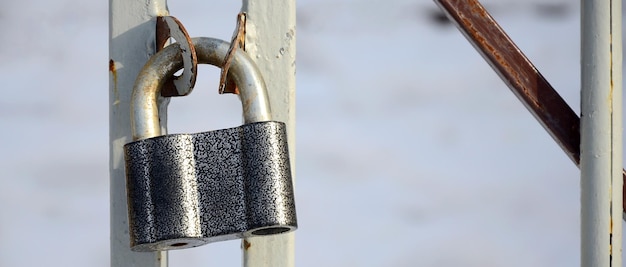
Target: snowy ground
410	150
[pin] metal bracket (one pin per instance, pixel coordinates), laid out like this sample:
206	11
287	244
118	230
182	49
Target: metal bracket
238	41
169	27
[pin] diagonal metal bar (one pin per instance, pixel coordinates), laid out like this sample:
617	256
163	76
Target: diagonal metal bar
519	74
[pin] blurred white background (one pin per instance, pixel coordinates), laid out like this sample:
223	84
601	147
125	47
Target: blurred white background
410	150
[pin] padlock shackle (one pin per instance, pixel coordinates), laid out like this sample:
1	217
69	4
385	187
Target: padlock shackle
147	89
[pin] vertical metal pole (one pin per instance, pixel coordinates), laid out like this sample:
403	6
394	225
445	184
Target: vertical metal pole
131	42
601	133
271	41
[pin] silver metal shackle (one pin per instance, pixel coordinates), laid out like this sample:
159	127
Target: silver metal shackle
147	89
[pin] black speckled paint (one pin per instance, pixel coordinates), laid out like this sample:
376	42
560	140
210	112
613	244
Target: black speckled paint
186	190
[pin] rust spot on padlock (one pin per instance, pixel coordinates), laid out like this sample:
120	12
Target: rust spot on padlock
231	87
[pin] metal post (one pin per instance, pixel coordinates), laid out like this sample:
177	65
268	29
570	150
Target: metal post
601	133
271	41
131	42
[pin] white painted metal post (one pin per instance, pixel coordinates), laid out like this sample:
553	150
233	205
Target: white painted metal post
131	42
271	41
601	133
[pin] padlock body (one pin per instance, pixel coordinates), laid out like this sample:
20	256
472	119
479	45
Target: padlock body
186	190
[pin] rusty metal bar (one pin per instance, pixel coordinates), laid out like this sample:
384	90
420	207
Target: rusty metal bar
519	74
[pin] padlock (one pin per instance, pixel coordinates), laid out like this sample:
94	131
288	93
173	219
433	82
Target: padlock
186	190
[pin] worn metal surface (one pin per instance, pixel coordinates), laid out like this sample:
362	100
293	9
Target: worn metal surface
186	190
518	73
146	91
270	35
601	133
131	43
169	27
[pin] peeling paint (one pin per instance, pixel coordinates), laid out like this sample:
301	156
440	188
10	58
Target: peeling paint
251	38
157	8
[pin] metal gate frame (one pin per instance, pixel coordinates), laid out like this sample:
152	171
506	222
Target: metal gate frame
132	25
594	141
